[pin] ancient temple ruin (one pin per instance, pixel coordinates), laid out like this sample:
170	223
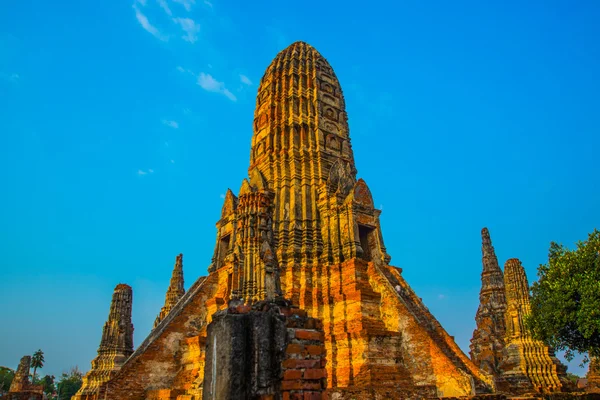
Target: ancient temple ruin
488	338
21	388
501	344
116	344
299	250
175	290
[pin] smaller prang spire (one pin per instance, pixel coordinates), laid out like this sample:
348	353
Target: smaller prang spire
116	344
489	259
488	338
175	291
528	365
517	298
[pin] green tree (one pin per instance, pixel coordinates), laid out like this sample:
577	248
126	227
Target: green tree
48	382
6	377
69	383
565	303
37	361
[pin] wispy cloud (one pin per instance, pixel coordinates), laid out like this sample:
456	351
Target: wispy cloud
12	78
190	27
165	6
145	23
171	124
187	4
210	84
245	80
208	3
142	172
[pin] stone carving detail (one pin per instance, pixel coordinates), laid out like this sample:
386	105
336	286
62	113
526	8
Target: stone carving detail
116	344
175	291
488	338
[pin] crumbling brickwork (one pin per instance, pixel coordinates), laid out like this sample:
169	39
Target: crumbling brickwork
21	387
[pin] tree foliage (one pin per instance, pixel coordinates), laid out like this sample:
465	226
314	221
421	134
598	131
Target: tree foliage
69	384
48	383
6	377
37	361
565	303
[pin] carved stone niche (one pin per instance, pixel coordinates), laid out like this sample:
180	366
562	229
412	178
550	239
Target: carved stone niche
330	113
333	143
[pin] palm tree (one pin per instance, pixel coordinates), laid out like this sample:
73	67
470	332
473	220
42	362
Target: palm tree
37	361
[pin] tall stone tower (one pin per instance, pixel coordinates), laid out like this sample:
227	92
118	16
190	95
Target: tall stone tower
116	344
175	290
488	338
303	228
528	365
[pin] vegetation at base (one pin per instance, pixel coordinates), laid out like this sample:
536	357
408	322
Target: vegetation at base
69	383
6	377
565	303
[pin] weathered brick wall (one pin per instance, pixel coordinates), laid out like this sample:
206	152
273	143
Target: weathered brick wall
303	368
378	337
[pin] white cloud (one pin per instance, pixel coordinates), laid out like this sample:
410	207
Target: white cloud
210	84
187	4
143	20
207	82
229	95
190	27
171	124
165	6
208	3
245	80
141	172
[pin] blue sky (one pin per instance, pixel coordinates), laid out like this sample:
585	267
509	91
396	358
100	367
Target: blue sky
124	123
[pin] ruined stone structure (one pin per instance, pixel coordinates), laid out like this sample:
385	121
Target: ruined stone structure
488	338
593	376
175	291
501	344
304	229
116	344
21	387
527	366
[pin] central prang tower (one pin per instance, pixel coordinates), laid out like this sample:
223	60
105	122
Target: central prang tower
311	210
